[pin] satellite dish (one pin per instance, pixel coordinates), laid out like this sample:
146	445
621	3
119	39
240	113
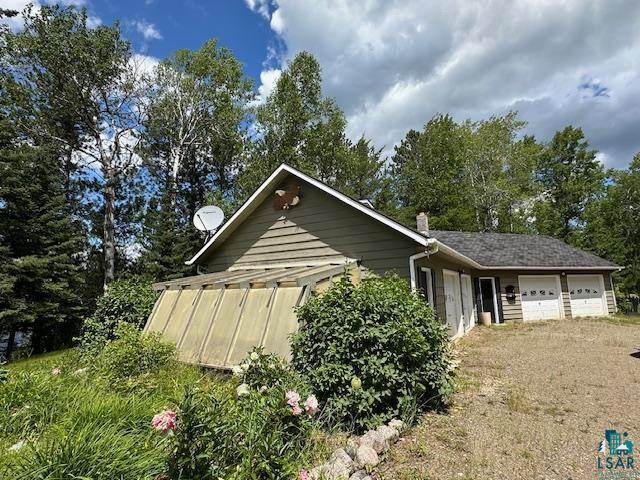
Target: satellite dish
208	218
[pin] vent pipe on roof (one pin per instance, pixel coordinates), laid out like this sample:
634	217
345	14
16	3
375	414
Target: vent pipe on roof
422	221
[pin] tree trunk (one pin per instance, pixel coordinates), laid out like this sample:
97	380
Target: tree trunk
10	343
109	235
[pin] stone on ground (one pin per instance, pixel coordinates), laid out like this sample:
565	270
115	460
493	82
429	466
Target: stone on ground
366	456
374	440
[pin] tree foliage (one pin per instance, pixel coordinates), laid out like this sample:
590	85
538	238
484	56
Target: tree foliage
192	144
570	177
39	244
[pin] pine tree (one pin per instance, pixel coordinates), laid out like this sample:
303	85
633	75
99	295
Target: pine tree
39	276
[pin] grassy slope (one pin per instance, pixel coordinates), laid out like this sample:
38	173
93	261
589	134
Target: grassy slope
74	424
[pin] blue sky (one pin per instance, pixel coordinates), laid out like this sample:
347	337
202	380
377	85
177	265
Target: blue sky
393	64
188	24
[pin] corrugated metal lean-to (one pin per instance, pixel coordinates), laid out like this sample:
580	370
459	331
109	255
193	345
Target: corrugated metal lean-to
215	319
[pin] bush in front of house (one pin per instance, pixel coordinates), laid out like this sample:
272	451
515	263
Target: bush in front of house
127	300
372	351
265	370
259	425
134	360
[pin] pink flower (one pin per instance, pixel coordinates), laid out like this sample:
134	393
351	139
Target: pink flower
296	410
311	405
293	398
164	421
56	371
303	475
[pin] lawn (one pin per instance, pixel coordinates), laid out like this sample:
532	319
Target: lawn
533	403
70	424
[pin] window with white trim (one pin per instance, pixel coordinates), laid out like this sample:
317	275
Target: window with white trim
425	284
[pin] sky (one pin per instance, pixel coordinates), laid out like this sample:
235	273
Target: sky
393	64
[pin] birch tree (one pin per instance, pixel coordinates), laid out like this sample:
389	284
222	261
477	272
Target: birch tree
192	144
78	86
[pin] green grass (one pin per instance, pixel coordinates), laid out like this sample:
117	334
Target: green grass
621	319
74	426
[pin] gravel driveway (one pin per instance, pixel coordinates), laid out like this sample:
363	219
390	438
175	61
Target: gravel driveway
534	402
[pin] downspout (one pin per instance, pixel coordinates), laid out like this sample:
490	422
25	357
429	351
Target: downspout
430	248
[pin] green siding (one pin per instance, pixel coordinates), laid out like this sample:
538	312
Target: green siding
321	229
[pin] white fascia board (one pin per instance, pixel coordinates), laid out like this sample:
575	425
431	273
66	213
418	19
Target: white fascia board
236	217
515	267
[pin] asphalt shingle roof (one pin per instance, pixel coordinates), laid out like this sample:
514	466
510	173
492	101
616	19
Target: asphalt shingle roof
518	250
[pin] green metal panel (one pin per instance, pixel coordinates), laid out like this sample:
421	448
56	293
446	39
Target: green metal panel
196	330
251	325
283	321
223	327
163	311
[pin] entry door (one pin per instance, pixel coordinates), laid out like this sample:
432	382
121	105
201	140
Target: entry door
541	297
453	302
488	297
587	295
467	302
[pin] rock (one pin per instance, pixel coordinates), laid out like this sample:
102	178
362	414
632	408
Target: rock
351	447
374	440
397	424
366	456
341	456
315	473
335	471
390	434
360	475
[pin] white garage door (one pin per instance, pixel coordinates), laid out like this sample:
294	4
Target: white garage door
587	295
541	297
453	302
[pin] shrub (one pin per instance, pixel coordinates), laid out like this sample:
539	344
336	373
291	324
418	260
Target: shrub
261	369
128	300
132	360
372	351
238	433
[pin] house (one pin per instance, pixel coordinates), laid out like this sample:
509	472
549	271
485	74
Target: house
272	253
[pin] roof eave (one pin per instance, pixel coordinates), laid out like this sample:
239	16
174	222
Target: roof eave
553	267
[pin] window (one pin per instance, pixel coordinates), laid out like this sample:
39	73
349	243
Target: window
425	284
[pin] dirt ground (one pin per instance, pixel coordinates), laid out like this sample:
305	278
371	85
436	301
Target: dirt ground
534	402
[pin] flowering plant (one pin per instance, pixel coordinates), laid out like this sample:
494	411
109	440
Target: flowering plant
259	370
310	404
164	421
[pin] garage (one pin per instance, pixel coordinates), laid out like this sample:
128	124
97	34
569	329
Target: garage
541	297
587	295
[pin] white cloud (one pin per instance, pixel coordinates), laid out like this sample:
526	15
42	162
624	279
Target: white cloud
144	64
393	64
259	6
93	21
268	79
147	30
16	23
68	3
